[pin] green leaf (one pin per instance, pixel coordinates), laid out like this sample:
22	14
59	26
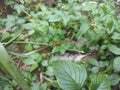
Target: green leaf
10	20
100	82
33	67
5	36
31	32
103	63
114	79
95	70
69	75
28	47
22	1
116	36
87	6
84	28
55	18
64	17
36	86
28	26
43	86
44	63
29	61
110	24
19	8
50	71
20	21
114	49
35	55
93	61
116	64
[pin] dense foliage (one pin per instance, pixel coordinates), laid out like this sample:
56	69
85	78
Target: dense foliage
32	32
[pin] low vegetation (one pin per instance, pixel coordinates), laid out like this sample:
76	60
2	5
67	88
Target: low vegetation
34	31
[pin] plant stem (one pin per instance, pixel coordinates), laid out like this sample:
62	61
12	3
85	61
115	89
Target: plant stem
31	43
108	69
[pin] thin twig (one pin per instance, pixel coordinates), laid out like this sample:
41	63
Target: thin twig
25	54
22	42
13	39
26	12
34	51
47	79
108	69
44	77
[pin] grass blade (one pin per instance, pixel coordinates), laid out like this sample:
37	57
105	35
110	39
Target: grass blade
11	68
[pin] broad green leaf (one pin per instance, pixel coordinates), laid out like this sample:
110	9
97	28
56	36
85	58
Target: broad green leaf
114	79
64	17
11	69
43	8
65	20
103	47
95	70
36	86
55	18
103	63
44	23
22	1
10	20
19	8
43	86
116	64
34	55
116	36
29	61
100	82
84	28
33	26
110	24
33	67
44	63
20	21
87	6
49	71
28	47
5	36
31	32
114	49
28	26
69	75
93	61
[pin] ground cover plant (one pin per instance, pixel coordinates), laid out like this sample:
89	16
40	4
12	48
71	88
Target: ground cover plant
34	31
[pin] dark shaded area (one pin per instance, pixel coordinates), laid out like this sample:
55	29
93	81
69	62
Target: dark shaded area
4	10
